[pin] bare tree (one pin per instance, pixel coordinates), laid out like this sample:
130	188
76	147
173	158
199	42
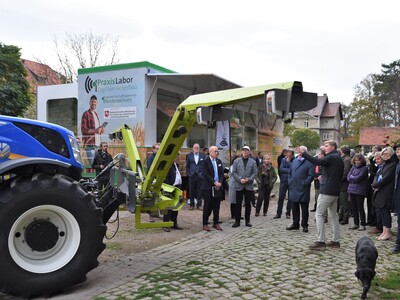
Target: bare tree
84	51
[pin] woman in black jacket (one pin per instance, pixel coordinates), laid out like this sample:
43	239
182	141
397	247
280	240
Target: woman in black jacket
383	186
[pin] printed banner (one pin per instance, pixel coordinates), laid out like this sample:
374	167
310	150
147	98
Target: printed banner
222	136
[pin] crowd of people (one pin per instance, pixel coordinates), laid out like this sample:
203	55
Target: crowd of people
343	181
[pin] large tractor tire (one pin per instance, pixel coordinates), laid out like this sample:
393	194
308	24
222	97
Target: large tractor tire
51	234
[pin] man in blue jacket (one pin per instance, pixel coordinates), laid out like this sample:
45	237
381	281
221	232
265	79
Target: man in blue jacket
332	171
301	175
284	185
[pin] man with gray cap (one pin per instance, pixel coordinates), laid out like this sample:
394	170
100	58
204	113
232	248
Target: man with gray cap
244	171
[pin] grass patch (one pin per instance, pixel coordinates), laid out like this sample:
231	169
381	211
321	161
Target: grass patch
219	283
159	284
193	263
102	298
194	275
390	281
389	296
342	290
114	246
276	277
155	291
245	288
260	278
388	287
336	275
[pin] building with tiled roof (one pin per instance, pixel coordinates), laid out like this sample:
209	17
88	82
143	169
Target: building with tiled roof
382	136
324	119
39	74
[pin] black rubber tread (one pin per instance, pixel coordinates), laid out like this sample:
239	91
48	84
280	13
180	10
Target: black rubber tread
24	193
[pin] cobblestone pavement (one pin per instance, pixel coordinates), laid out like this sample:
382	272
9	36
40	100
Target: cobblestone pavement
265	261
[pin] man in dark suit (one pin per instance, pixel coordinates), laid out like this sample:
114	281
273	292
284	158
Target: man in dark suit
193	170
259	159
213	176
173	178
280	157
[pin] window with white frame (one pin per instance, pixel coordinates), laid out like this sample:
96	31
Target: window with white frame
326	136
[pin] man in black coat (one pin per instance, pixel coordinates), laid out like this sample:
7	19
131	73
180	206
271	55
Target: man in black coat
101	160
371	219
396	199
213	177
259	159
173	178
279	159
331	178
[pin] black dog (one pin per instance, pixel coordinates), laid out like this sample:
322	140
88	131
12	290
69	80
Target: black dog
366	256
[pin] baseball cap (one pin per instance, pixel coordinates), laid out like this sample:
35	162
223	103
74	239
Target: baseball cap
246	148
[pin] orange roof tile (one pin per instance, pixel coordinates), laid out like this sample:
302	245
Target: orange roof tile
378	135
40	74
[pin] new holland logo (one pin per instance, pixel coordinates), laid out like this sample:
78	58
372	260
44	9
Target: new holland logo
89	85
4	151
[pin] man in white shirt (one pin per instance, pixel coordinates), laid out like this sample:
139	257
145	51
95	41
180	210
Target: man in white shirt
193	170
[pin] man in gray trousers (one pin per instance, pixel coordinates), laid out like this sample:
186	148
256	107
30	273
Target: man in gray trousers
244	171
332	171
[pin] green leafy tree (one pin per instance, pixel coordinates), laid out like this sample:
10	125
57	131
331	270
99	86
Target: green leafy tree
305	137
387	88
376	103
14	88
367	109
288	129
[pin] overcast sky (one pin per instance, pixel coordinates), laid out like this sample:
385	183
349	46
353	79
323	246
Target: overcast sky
328	45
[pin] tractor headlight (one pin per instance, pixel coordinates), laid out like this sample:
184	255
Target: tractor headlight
75	149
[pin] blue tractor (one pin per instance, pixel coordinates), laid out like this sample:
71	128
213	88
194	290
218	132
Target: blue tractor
51	229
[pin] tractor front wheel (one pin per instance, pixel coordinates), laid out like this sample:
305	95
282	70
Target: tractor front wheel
52	234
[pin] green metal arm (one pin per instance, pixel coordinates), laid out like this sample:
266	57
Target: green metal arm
166	198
